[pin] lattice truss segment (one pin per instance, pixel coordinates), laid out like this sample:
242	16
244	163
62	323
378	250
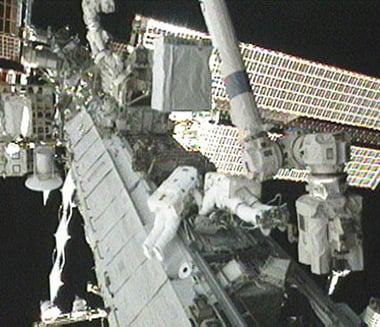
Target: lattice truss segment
293	85
221	145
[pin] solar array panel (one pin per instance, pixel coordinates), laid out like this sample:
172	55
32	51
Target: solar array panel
293	85
9	47
221	145
362	171
364	168
153	28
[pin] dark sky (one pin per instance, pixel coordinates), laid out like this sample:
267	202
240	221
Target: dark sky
342	33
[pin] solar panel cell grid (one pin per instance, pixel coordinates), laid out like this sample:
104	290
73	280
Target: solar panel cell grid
296	86
311	89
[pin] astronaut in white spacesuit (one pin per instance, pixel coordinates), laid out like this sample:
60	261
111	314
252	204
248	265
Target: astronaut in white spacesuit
236	194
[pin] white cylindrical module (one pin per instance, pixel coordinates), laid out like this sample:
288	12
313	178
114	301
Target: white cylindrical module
40	58
44	178
314	248
43	162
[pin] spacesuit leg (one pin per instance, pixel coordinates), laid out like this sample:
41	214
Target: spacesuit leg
157	230
172	222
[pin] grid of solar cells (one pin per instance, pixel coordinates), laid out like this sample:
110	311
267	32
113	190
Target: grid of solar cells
119	48
10	16
362	171
293	85
294	175
221	145
9	47
153	28
364	168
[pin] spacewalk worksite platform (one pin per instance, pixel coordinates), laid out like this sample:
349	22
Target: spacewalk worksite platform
137	291
206	278
295	93
172	207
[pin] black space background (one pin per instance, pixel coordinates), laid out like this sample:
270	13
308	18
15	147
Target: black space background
342	33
